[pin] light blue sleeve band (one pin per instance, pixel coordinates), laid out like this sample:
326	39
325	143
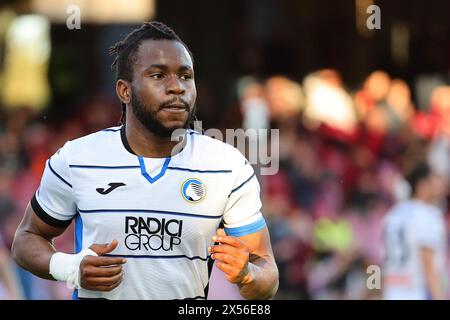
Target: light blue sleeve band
247	229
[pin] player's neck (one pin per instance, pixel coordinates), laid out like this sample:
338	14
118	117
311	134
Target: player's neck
423	197
146	144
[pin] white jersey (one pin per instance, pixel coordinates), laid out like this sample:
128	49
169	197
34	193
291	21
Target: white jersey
163	212
408	227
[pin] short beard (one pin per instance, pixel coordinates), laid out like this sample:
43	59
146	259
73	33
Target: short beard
149	121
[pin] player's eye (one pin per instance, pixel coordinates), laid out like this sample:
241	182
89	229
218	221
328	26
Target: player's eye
186	77
156	76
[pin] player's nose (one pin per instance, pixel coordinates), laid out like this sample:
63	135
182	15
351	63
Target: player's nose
175	86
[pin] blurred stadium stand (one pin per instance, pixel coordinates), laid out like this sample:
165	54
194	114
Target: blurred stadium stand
355	113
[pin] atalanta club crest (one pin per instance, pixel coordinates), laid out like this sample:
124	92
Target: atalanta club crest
193	190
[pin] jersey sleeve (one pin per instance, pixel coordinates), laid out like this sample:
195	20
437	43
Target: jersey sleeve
242	214
54	201
428	232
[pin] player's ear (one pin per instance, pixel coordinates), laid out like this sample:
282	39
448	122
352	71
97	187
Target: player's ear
123	90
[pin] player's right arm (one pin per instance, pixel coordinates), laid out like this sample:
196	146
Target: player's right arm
32	246
429	236
33	249
47	216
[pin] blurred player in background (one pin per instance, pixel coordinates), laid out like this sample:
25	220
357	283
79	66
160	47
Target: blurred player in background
147	217
415	241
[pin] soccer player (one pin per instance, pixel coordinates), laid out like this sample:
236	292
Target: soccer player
146	220
415	241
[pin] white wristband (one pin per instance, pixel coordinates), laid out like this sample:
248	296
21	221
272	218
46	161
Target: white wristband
66	267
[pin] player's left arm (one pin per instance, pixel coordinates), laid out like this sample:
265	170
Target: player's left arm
247	261
431	275
429	236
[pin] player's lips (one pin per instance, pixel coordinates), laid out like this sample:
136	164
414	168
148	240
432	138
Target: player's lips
175	108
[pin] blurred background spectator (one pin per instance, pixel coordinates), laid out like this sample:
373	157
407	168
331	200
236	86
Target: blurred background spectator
355	109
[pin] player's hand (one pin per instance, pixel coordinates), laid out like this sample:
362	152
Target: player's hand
232	257
101	273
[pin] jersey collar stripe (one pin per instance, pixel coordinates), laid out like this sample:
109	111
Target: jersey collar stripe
199	171
57	175
152	211
123	138
147	176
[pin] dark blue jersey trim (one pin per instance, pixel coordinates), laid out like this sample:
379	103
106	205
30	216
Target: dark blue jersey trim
155	257
241	185
194	298
101	167
82	166
152	211
199	171
56	174
44	216
111	130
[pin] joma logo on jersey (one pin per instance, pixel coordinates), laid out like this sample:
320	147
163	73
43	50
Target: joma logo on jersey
152	234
